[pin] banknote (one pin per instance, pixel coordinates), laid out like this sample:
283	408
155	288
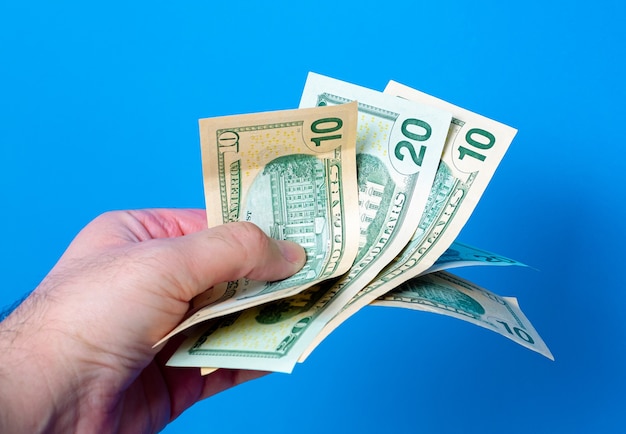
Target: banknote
457	255
473	150
463	255
399	144
446	294
293	174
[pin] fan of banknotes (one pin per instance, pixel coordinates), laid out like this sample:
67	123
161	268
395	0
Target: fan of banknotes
375	186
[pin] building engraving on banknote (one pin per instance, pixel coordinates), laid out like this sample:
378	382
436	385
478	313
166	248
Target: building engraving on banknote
429	293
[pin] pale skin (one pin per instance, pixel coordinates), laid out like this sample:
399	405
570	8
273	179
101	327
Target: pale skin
78	356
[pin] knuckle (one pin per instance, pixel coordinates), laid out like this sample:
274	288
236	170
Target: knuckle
110	218
249	238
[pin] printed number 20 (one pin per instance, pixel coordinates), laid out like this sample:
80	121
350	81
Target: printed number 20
404	144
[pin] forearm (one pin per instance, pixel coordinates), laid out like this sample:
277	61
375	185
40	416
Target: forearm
31	389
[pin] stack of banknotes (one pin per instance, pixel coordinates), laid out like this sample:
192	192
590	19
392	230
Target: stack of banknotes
375	186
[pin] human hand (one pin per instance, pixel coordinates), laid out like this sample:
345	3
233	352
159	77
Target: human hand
78	353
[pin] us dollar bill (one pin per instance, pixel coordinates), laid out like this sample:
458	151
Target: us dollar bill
457	255
293	174
446	294
474	148
399	144
463	255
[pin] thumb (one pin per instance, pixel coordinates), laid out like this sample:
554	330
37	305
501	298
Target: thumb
230	252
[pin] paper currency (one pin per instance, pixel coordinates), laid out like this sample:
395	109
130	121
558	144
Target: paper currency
293	174
399	144
275	335
463	255
473	150
446	294
458	255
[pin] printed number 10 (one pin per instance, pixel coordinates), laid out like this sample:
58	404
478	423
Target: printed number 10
469	138
326	125
522	334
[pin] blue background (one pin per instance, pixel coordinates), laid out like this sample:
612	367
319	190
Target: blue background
99	105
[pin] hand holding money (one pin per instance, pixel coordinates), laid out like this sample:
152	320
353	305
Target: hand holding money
421	167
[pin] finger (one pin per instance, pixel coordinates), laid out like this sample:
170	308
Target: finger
187	386
231	252
170	222
224	379
116	227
